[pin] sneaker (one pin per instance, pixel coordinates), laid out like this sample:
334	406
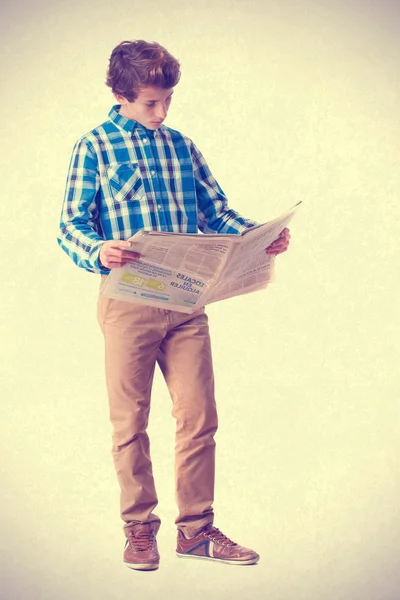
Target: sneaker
140	550
211	544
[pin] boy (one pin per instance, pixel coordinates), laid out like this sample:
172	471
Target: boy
130	173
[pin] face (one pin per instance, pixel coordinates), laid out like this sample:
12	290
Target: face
150	107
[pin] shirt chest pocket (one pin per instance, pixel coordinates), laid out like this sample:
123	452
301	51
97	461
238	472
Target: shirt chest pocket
125	182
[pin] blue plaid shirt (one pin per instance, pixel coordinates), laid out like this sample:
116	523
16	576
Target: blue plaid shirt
124	177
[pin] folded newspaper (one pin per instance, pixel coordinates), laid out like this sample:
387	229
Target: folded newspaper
184	272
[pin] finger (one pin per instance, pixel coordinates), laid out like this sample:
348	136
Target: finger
128	256
112	264
119	259
276	248
281	241
275	252
120	244
118	254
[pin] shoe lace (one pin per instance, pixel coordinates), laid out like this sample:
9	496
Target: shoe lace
217	536
142	541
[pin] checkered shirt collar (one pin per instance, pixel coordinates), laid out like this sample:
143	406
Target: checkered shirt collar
127	124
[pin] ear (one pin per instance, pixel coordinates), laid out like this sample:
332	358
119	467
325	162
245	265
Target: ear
121	99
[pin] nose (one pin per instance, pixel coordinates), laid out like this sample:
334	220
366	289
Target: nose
162	111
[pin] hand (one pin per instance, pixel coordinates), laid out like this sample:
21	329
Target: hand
281	244
113	253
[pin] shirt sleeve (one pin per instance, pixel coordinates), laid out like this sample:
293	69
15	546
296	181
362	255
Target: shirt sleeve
214	214
78	235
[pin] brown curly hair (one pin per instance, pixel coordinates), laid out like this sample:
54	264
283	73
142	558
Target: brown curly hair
138	64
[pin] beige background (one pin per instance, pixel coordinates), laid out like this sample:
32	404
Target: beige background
288	101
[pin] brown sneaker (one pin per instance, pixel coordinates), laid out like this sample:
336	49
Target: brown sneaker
141	548
209	543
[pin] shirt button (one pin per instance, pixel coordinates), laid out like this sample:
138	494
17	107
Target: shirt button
159	206
153	172
144	140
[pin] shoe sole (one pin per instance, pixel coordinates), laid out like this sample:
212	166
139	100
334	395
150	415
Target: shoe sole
142	566
250	561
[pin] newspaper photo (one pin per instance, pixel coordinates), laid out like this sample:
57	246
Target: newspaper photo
184	272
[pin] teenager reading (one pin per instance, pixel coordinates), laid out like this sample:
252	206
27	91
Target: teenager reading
133	172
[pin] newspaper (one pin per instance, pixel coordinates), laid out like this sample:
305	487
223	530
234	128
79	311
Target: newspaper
184	272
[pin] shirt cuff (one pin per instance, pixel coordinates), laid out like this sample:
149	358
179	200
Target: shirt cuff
95	260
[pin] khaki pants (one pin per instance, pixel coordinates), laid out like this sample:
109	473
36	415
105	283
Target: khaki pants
136	337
